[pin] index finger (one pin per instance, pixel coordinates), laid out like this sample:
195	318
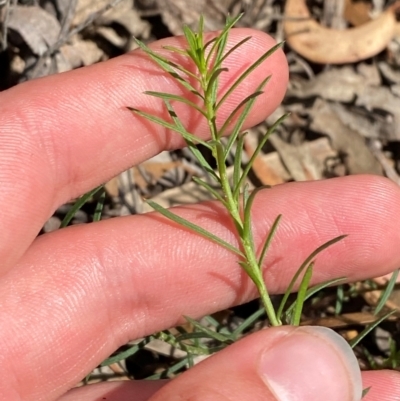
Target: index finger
65	134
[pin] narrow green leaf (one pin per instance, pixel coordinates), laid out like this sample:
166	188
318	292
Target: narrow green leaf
214	322
194	337
172	340
203	162
225	184
190	361
302	267
222	37
175	66
313	290
268	240
388	291
194	227
125	354
200	44
301	295
247	323
256	152
247	214
99	206
214	77
248	102
191	40
246	73
174	49
216	54
231	50
168	66
247	232
201	28
210	333
210	189
169	96
246	196
369	328
373	365
170	126
191	145
339	300
365	392
237	162
77	205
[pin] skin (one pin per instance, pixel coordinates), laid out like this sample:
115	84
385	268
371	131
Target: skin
71	297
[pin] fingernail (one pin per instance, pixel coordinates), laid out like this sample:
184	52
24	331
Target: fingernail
311	363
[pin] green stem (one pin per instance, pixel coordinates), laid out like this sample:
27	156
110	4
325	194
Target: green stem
251	260
220	157
234	207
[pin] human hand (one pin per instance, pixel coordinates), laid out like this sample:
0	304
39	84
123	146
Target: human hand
71	297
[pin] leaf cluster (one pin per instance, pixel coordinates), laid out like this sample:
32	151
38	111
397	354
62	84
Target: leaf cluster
208	59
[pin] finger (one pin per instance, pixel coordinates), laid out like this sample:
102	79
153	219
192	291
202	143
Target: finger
259	367
126	278
66	134
384	385
278	364
135	390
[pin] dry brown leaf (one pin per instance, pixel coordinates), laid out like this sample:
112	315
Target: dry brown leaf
331	46
176	13
372	297
187	193
357	156
357	12
339	84
37	28
267	168
85	8
345	320
126	16
77	53
155	170
306	162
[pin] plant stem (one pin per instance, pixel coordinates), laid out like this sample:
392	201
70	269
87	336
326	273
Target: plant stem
232	205
258	280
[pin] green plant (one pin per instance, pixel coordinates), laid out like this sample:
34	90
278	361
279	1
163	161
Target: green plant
208	58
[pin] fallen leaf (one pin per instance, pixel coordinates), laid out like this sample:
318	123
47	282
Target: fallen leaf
306	162
357	12
78	53
348	142
345	320
362	88
37	28
340	84
331	46
268	168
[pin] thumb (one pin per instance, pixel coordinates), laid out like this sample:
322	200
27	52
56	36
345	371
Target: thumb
277	364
